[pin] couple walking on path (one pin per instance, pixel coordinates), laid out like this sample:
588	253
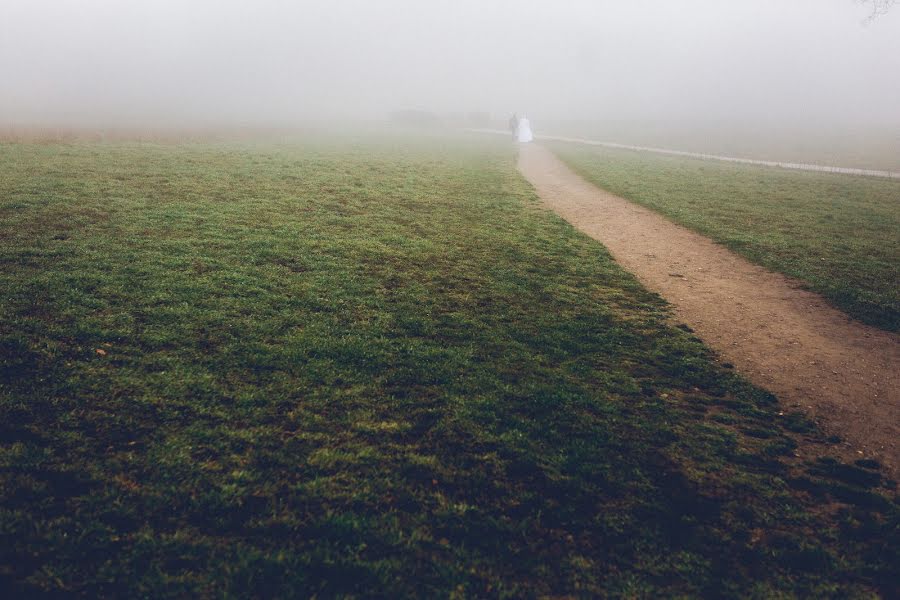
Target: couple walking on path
520	129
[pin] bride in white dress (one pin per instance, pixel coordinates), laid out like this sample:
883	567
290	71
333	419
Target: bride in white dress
525	134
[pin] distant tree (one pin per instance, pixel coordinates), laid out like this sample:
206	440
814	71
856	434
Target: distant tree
478	119
415	118
879	7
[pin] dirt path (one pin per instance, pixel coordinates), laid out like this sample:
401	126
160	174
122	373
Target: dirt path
844	374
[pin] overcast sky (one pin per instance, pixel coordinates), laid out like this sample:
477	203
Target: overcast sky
273	61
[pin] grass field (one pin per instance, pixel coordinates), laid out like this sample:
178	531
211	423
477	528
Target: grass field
862	147
839	234
377	368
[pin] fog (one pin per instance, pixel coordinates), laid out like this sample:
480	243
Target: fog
273	62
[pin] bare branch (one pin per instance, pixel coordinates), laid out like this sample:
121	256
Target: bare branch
879	8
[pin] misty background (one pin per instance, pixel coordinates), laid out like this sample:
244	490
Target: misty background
814	63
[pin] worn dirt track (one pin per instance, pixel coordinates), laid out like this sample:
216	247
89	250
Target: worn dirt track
790	341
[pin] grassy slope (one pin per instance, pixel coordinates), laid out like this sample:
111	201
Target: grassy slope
841	146
294	370
838	234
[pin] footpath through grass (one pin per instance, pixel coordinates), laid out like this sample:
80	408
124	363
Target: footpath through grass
839	234
376	370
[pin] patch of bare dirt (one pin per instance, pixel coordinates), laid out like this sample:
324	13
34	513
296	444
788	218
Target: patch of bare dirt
790	341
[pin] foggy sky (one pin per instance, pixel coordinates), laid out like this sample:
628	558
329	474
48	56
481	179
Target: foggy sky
280	61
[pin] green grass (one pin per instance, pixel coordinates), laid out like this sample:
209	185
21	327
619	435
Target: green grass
377	369
838	145
838	234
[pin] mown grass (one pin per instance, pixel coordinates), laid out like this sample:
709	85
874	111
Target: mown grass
836	145
377	369
838	234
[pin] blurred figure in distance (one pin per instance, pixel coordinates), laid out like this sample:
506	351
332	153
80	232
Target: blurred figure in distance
524	130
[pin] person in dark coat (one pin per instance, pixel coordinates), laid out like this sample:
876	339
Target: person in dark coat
514	126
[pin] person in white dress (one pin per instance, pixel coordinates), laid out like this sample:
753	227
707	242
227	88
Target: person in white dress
524	134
